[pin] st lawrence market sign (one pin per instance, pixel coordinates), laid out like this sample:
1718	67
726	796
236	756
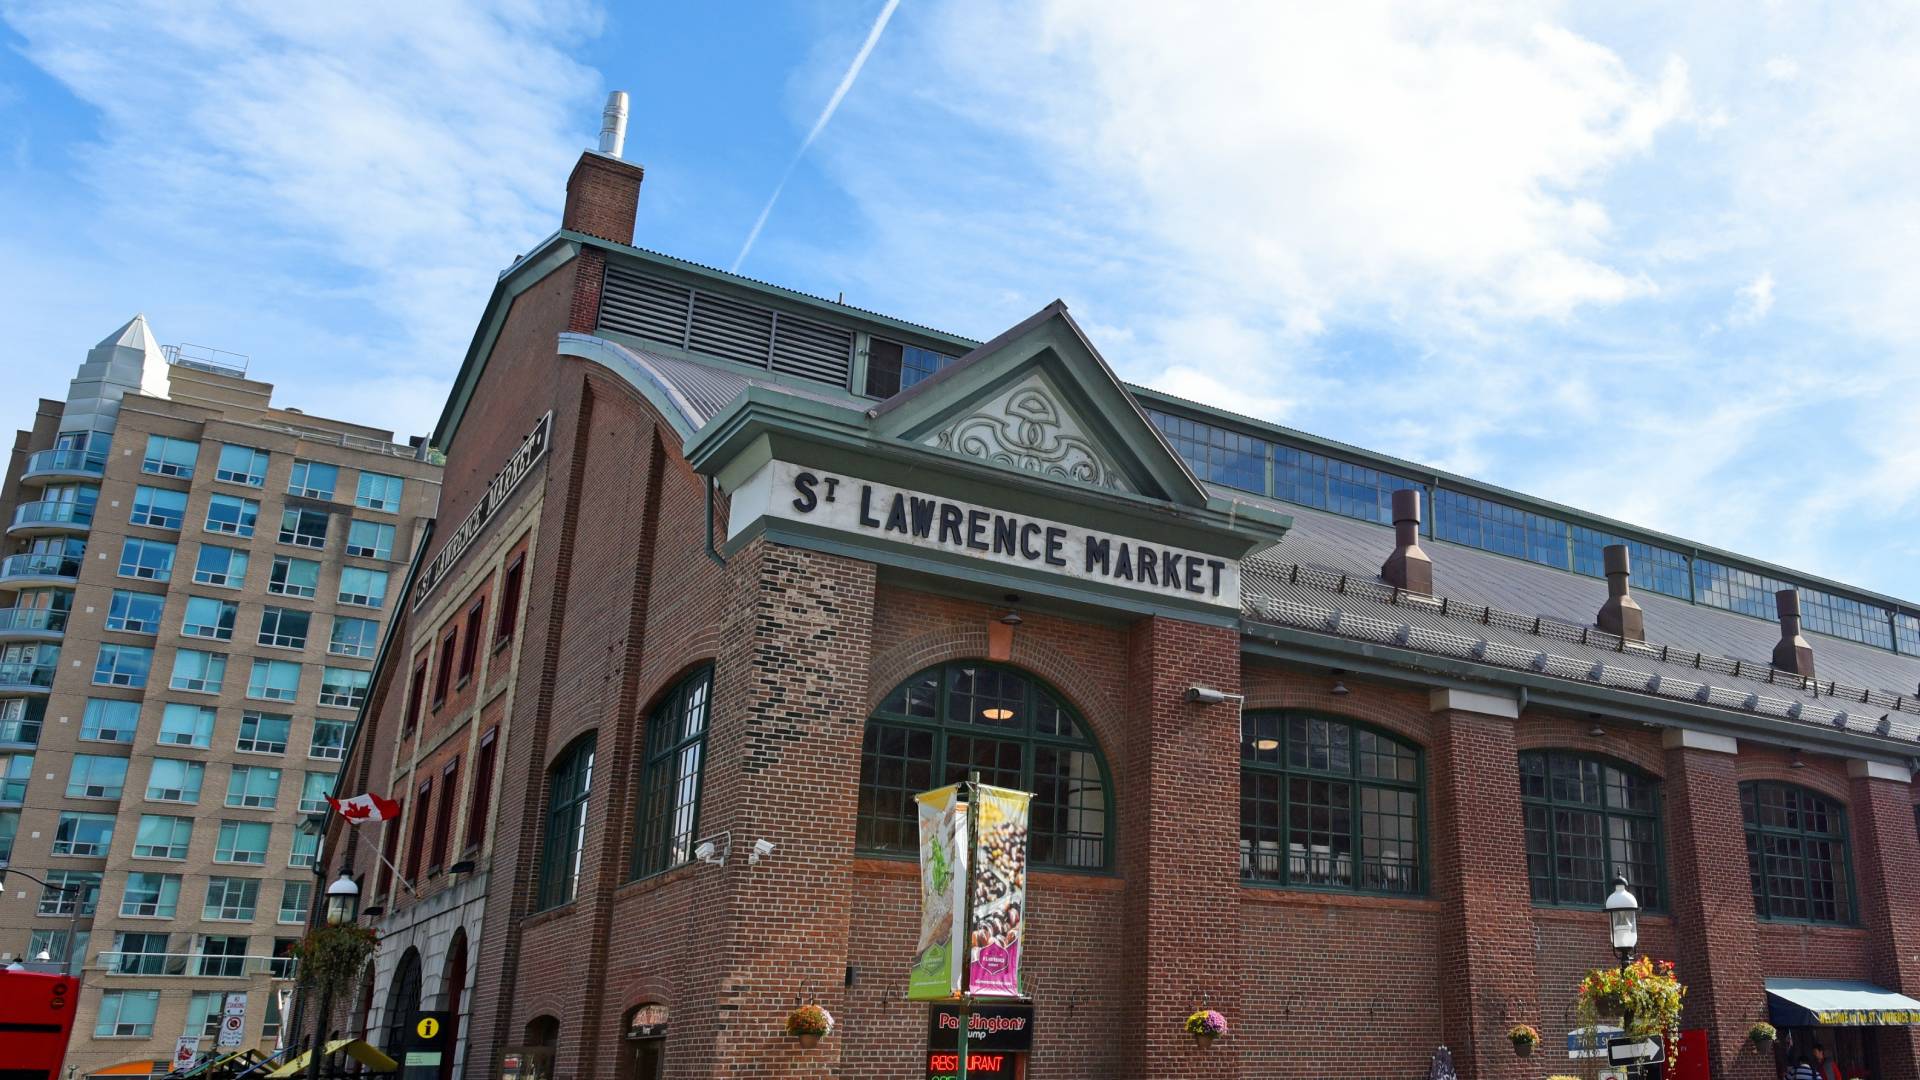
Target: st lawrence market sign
970	530
532	449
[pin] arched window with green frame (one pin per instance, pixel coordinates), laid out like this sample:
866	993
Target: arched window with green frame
1329	803
569	786
1796	853
1590	819
971	715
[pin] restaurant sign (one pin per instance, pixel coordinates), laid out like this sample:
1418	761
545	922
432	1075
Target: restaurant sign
1865	1017
989	534
532	449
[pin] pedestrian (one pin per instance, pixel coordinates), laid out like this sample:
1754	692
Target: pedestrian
1802	1069
1823	1066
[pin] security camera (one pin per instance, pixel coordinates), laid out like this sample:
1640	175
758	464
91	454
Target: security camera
704	852
761	849
1204	695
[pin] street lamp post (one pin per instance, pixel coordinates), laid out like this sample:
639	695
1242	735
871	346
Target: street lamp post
1623	928
343	907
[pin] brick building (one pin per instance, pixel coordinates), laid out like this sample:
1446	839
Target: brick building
718	562
195	583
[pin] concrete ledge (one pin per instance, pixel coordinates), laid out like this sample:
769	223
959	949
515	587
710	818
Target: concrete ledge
1879	770
1505	706
1694	739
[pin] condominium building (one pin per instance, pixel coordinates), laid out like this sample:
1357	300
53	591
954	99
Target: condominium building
194	584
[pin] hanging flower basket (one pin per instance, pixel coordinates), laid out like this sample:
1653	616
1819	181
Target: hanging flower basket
331	958
1524	1038
809	1024
1762	1036
1206	1026
1644	995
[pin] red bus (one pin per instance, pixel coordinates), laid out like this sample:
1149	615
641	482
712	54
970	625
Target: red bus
36	1017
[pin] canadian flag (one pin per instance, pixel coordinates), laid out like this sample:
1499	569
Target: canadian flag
362	809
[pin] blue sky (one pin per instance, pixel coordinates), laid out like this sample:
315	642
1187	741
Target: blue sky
1653	261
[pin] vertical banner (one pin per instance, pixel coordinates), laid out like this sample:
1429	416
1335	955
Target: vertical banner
999	892
943	877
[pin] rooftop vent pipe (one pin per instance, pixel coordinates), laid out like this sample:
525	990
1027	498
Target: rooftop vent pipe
1792	653
1408	567
613	125
1621	614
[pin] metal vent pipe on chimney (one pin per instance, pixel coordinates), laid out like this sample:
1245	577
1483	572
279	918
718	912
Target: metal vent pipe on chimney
613	125
1793	653
1621	614
1408	567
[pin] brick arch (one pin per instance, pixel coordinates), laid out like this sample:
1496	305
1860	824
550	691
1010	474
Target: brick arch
646	990
1284	699
554	752
651	694
1633	755
1818	781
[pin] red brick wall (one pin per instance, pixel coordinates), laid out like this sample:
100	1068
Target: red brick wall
1887	867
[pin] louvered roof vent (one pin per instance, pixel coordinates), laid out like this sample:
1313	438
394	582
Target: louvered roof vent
715	325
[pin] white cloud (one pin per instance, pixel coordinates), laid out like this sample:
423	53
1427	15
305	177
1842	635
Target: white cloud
1753	300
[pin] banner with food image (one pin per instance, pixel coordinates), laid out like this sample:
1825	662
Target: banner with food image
943	877
999	892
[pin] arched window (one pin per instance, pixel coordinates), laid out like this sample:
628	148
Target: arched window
971	715
669	805
403	998
1796	853
453	998
1328	803
570	784
1589	820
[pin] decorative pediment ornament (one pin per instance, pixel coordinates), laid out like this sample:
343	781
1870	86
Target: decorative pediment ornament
1027	428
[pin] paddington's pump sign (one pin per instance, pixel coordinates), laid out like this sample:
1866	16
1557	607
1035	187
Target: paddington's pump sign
973	873
849	504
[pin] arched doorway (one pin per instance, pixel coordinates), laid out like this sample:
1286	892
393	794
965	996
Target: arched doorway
643	1043
403	1000
453	998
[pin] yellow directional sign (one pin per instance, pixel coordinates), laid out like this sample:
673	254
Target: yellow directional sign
428	1027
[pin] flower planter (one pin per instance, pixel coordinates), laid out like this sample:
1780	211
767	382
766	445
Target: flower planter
809	1040
1523	1049
1203	1040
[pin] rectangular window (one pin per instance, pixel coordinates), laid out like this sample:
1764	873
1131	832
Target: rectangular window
54	944
222	566
158	508
417	841
242	465
136	953
135	613
1215	454
389	855
343	688
16	770
1509	530
122	665
87	835
274	680
204	1010
370	540
1340	486
470	648
173	780
482	791
149	560
151	896
127	1014
329	739
379	492
303	528
68	892
313	479
187	725
294	577
893	367
418	691
198	672
443	817
253	787
509	599
93	776
443	674
354	637
243	842
110	721
296	899
162	837
305	850
367	588
222	957
231	899
264	733
314	791
233	516
207	617
170	457
570	785
20	720
284	628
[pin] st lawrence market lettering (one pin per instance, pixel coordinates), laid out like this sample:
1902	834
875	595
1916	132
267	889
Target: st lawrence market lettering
532	449
946	524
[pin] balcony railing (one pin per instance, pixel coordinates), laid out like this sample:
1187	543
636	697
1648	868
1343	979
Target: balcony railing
37	676
39	566
65	463
195	965
51	512
22	620
15	733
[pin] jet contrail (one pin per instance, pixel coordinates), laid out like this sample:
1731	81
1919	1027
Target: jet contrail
826	114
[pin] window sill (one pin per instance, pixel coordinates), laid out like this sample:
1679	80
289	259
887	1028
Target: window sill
501	643
1782	924
462	684
1293	895
1083	880
652	882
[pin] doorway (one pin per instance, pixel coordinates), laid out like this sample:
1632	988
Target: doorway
643	1052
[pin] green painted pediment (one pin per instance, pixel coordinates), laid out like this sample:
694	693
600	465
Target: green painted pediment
1039	399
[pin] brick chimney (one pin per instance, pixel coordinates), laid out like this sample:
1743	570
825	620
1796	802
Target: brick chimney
602	197
1408	567
1792	653
1620	614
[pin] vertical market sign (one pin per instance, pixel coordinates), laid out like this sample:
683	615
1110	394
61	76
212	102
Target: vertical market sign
973	876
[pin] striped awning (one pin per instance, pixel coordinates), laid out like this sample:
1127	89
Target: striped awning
1837	1003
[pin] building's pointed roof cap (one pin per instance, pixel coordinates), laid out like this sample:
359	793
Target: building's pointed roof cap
134	334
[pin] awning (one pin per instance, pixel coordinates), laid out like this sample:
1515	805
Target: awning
1837	1003
128	1068
358	1049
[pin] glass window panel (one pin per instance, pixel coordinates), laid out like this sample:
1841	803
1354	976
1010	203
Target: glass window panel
170	457
313	479
110	721
187	725
158	508
379	492
370	539
173	780
222	566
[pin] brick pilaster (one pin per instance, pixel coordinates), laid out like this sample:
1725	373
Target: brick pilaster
1486	941
1179	847
1715	930
1886	859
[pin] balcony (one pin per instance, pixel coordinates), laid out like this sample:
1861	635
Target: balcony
194	965
23	678
19	734
42	569
49	465
18	623
48	516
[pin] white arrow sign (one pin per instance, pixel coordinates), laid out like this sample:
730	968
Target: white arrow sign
1637	1052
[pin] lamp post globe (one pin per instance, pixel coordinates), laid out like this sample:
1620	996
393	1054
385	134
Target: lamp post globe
343	901
1623	918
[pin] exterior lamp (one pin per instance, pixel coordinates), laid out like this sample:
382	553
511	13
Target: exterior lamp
1623	916
343	901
